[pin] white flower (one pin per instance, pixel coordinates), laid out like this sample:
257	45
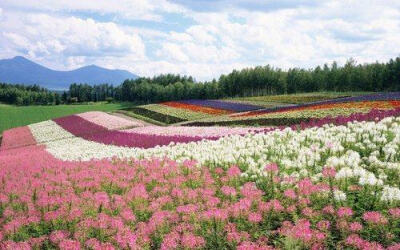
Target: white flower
339	195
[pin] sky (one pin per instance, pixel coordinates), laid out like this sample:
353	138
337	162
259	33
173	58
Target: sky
202	38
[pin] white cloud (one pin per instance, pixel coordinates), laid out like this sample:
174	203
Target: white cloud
172	52
46	37
203	44
130	9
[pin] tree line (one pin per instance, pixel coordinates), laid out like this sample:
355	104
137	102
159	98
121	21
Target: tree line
87	93
27	95
350	77
267	80
261	80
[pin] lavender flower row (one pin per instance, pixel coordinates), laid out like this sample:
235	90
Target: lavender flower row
231	106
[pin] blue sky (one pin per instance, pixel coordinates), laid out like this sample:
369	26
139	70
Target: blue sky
203	38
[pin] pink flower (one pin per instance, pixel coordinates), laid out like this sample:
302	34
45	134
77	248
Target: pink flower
170	241
307	211
328	209
70	245
228	191
272	167
192	241
344	212
323	225
329	172
93	243
255	217
395	212
355	226
233	171
354	240
57	236
374	217
290	193
396	246
216	214
128	215
219	171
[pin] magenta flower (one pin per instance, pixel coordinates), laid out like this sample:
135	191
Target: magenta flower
329	172
344	212
374	217
272	167
355	227
233	171
395	212
255	217
290	193
228	191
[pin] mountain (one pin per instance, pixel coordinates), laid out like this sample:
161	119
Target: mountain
23	71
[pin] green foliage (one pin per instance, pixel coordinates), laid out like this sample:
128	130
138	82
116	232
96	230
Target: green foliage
167	88
167	119
13	116
26	95
96	93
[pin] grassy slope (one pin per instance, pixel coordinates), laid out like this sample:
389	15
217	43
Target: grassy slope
14	116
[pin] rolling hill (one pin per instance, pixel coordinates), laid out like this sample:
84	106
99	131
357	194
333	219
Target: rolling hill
23	71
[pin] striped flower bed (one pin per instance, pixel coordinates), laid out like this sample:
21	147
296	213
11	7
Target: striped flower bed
196	108
17	137
109	121
223	105
302	110
80	127
388	98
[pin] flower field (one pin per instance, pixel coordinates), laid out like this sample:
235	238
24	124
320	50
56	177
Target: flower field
96	181
190	110
289	115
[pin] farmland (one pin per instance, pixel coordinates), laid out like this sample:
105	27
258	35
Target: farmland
14	116
321	173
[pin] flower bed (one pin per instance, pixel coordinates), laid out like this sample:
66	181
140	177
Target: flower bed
182	113
17	137
362	105
109	121
318	188
204	132
224	105
80	127
164	118
389	98
196	108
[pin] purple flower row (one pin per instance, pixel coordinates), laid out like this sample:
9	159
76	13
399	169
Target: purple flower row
390	96
90	131
373	115
231	106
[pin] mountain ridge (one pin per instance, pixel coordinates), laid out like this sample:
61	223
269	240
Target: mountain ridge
20	70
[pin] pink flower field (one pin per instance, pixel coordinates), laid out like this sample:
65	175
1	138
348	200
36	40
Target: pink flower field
85	182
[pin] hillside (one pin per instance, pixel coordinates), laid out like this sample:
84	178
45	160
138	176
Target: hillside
23	71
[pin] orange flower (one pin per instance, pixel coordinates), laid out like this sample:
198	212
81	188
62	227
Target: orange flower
196	108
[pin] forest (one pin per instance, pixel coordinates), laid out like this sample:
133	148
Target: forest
27	95
257	81
267	80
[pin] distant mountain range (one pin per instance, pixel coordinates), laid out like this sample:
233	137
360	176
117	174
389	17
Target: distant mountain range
23	71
